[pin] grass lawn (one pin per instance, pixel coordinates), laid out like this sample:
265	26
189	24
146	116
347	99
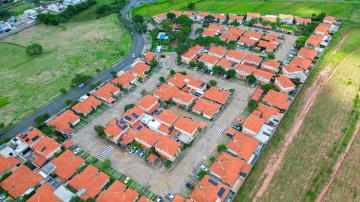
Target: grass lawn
29	83
305	8
19	9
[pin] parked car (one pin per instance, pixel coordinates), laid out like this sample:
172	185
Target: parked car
196	176
170	196
159	199
2	197
190	186
77	150
127	179
204	167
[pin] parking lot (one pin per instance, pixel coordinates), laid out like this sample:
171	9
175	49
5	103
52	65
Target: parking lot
160	179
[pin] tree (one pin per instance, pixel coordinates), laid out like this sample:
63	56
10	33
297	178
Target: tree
212	82
162	79
128	106
167	164
218	70
48	19
33	49
251	79
103	9
221	148
202	174
271	56
267	87
200	65
171	16
235	23
140	27
191	6
199	31
172	72
138	19
106	163
231	73
212	159
300	42
209	19
99	129
80	79
4	14
2	125
252	105
41	119
68	102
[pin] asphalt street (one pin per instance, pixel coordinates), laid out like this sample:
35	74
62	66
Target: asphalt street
59	103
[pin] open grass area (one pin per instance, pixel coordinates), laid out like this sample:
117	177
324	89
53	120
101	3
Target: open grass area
29	83
343	9
304	169
19	9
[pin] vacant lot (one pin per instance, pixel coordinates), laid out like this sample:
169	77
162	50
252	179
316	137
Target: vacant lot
341	9
28	83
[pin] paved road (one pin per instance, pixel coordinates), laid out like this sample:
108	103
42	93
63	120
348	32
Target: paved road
58	104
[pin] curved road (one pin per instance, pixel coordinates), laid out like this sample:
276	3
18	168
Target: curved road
59	103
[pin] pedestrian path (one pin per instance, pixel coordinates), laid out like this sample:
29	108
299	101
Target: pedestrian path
106	152
218	128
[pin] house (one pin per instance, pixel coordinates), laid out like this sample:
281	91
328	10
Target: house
257	94
189	14
307	53
217	95
330	20
149	56
252	124
191	54
178	198
106	93
146	137
301	20
115	128
235	56
66	165
267	47
178	80
303	63
287	19
200	16
194	85
86	105
144	199
30	136
89	182
237	18
166	117
167	148
209	190
133	115
45	149
64	122
210	32
269	18
313	41
21	181
118	192
140	69
268	113
228	168
243	146
217	51
220	17
206	108
243	70
277	99
165	92
253	35
271	66
250	16
252	60
293	72
148	103
247	42
188	129
159	18
124	80
322	29
208	60
284	84
225	63
8	163
183	99
44	193
262	76
236	31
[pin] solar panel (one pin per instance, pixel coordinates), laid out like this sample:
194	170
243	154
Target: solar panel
128	118
135	115
213	182
122	121
139	127
124	127
202	84
221	191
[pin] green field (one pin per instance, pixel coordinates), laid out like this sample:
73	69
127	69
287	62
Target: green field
343	9
82	46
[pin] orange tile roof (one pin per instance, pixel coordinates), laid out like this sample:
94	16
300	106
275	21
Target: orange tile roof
178	80
277	99
128	137
131	115
228	37
63	122
272	63
7	163
144	199
268	112
67	164
303	63
151	158
166	116
209	190
177	13
149	56
253	123
30	136
219	16
251	34
253	58
225	63
118	192
46	146
314	40
124	80
20	181
160	15
209	32
184	97
165	92
215	26
237	55
208	58
285	82
301	20
147	102
269	47
106	92
116	127
193	82
268	18
253	15
186	124
239	18
249	69
168	145
247	41
243	145
307	53
68	143
236	31
263	74
285	16
87	105
148	136
178	198
257	94
227	167
45	193
323	28
217	95
40	160
329	19
291	68
206	107
90	179
140	69
217	50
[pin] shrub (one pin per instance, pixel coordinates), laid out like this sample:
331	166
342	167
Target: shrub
106	163
100	130
212	82
231	73
252	105
68	102
162	79
220	148
79	79
128	106
33	49
250	79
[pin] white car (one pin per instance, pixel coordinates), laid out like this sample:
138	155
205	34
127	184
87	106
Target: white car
77	150
127	179
133	55
203	167
170	196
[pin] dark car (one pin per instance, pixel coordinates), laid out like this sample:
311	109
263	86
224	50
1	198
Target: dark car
190	186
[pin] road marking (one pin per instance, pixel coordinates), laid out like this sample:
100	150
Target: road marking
218	128
106	152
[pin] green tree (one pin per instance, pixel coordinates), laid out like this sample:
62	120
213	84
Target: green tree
129	106
235	23
99	129
167	164
221	148
218	70
202	174
4	14
68	102
300	42
191	6
199	31
138	19
252	105
171	16
106	163
172	72
80	79
39	120
231	73
212	82
162	79
271	56
33	49
212	159
267	87
250	79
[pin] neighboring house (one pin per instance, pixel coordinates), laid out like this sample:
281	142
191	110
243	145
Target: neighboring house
107	93
187	128
238	18
148	103
8	163
30	136
252	125
217	51
208	190
140	69
217	95
86	105
208	60
287	19
307	53
125	80
118	191
166	117
250	16
235	56
146	137
44	193
284	84
252	60
314	41
225	63
243	70
66	165
115	129
191	54
64	122
165	92
45	149
271	65
206	108
183	99
301	20
277	99
294	72
159	18
167	148
262	76
243	146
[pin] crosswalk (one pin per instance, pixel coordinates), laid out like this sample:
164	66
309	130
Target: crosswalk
218	128
106	152
136	94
